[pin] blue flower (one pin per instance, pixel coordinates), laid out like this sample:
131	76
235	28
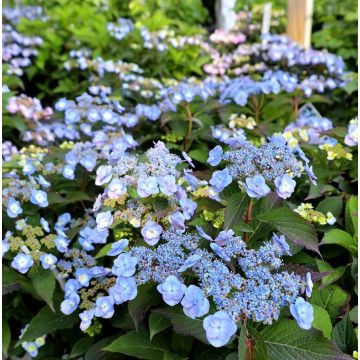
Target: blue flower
82	276
219	328
62	104
45	184
103	174
177	220
28	168
167	184
115	189
172	290
194	302
72	116
188	159
13	208
151	232
312	176
104	307
220	180
71	286
188	206
203	233
48	261
303	313
69	172
256	186
45	225
124	289
39	197
69	305
224	236
62	221
31	348
281	242
285	186
61	243
98	271
88	160
124	265
86	318
309	284
215	155
22	263
118	247
189	262
147	186
219	251
104	220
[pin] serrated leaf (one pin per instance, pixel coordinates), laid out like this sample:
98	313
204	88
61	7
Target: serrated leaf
96	351
341	238
293	226
235	210
45	322
157	323
138	345
286	341
182	324
44	284
344	335
181	344
147	296
322	321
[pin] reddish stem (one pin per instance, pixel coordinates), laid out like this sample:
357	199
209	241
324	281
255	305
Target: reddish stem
248	219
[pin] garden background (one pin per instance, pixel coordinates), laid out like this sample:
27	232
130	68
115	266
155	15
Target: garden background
176	191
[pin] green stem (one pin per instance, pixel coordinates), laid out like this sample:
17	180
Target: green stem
190	118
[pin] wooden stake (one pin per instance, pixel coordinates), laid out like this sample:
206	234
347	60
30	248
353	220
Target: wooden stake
299	21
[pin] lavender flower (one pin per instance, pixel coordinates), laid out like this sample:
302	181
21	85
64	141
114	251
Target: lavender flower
172	290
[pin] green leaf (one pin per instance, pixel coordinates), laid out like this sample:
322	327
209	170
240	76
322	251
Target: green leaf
157	323
242	350
293	226
341	238
259	349
333	204
138	345
44	284
335	274
353	314
146	297
103	251
80	347
351	215
235	210
322	321
344	335
181	344
96	352
286	341
229	191
45	322
332	298
182	324
6	336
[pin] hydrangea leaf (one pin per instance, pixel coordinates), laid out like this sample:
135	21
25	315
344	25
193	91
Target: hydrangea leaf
138	345
182	324
157	323
344	335
341	238
293	226
286	341
46	321
44	284
235	209
322	321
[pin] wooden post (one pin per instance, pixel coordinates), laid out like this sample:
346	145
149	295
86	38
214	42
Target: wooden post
299	21
266	20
